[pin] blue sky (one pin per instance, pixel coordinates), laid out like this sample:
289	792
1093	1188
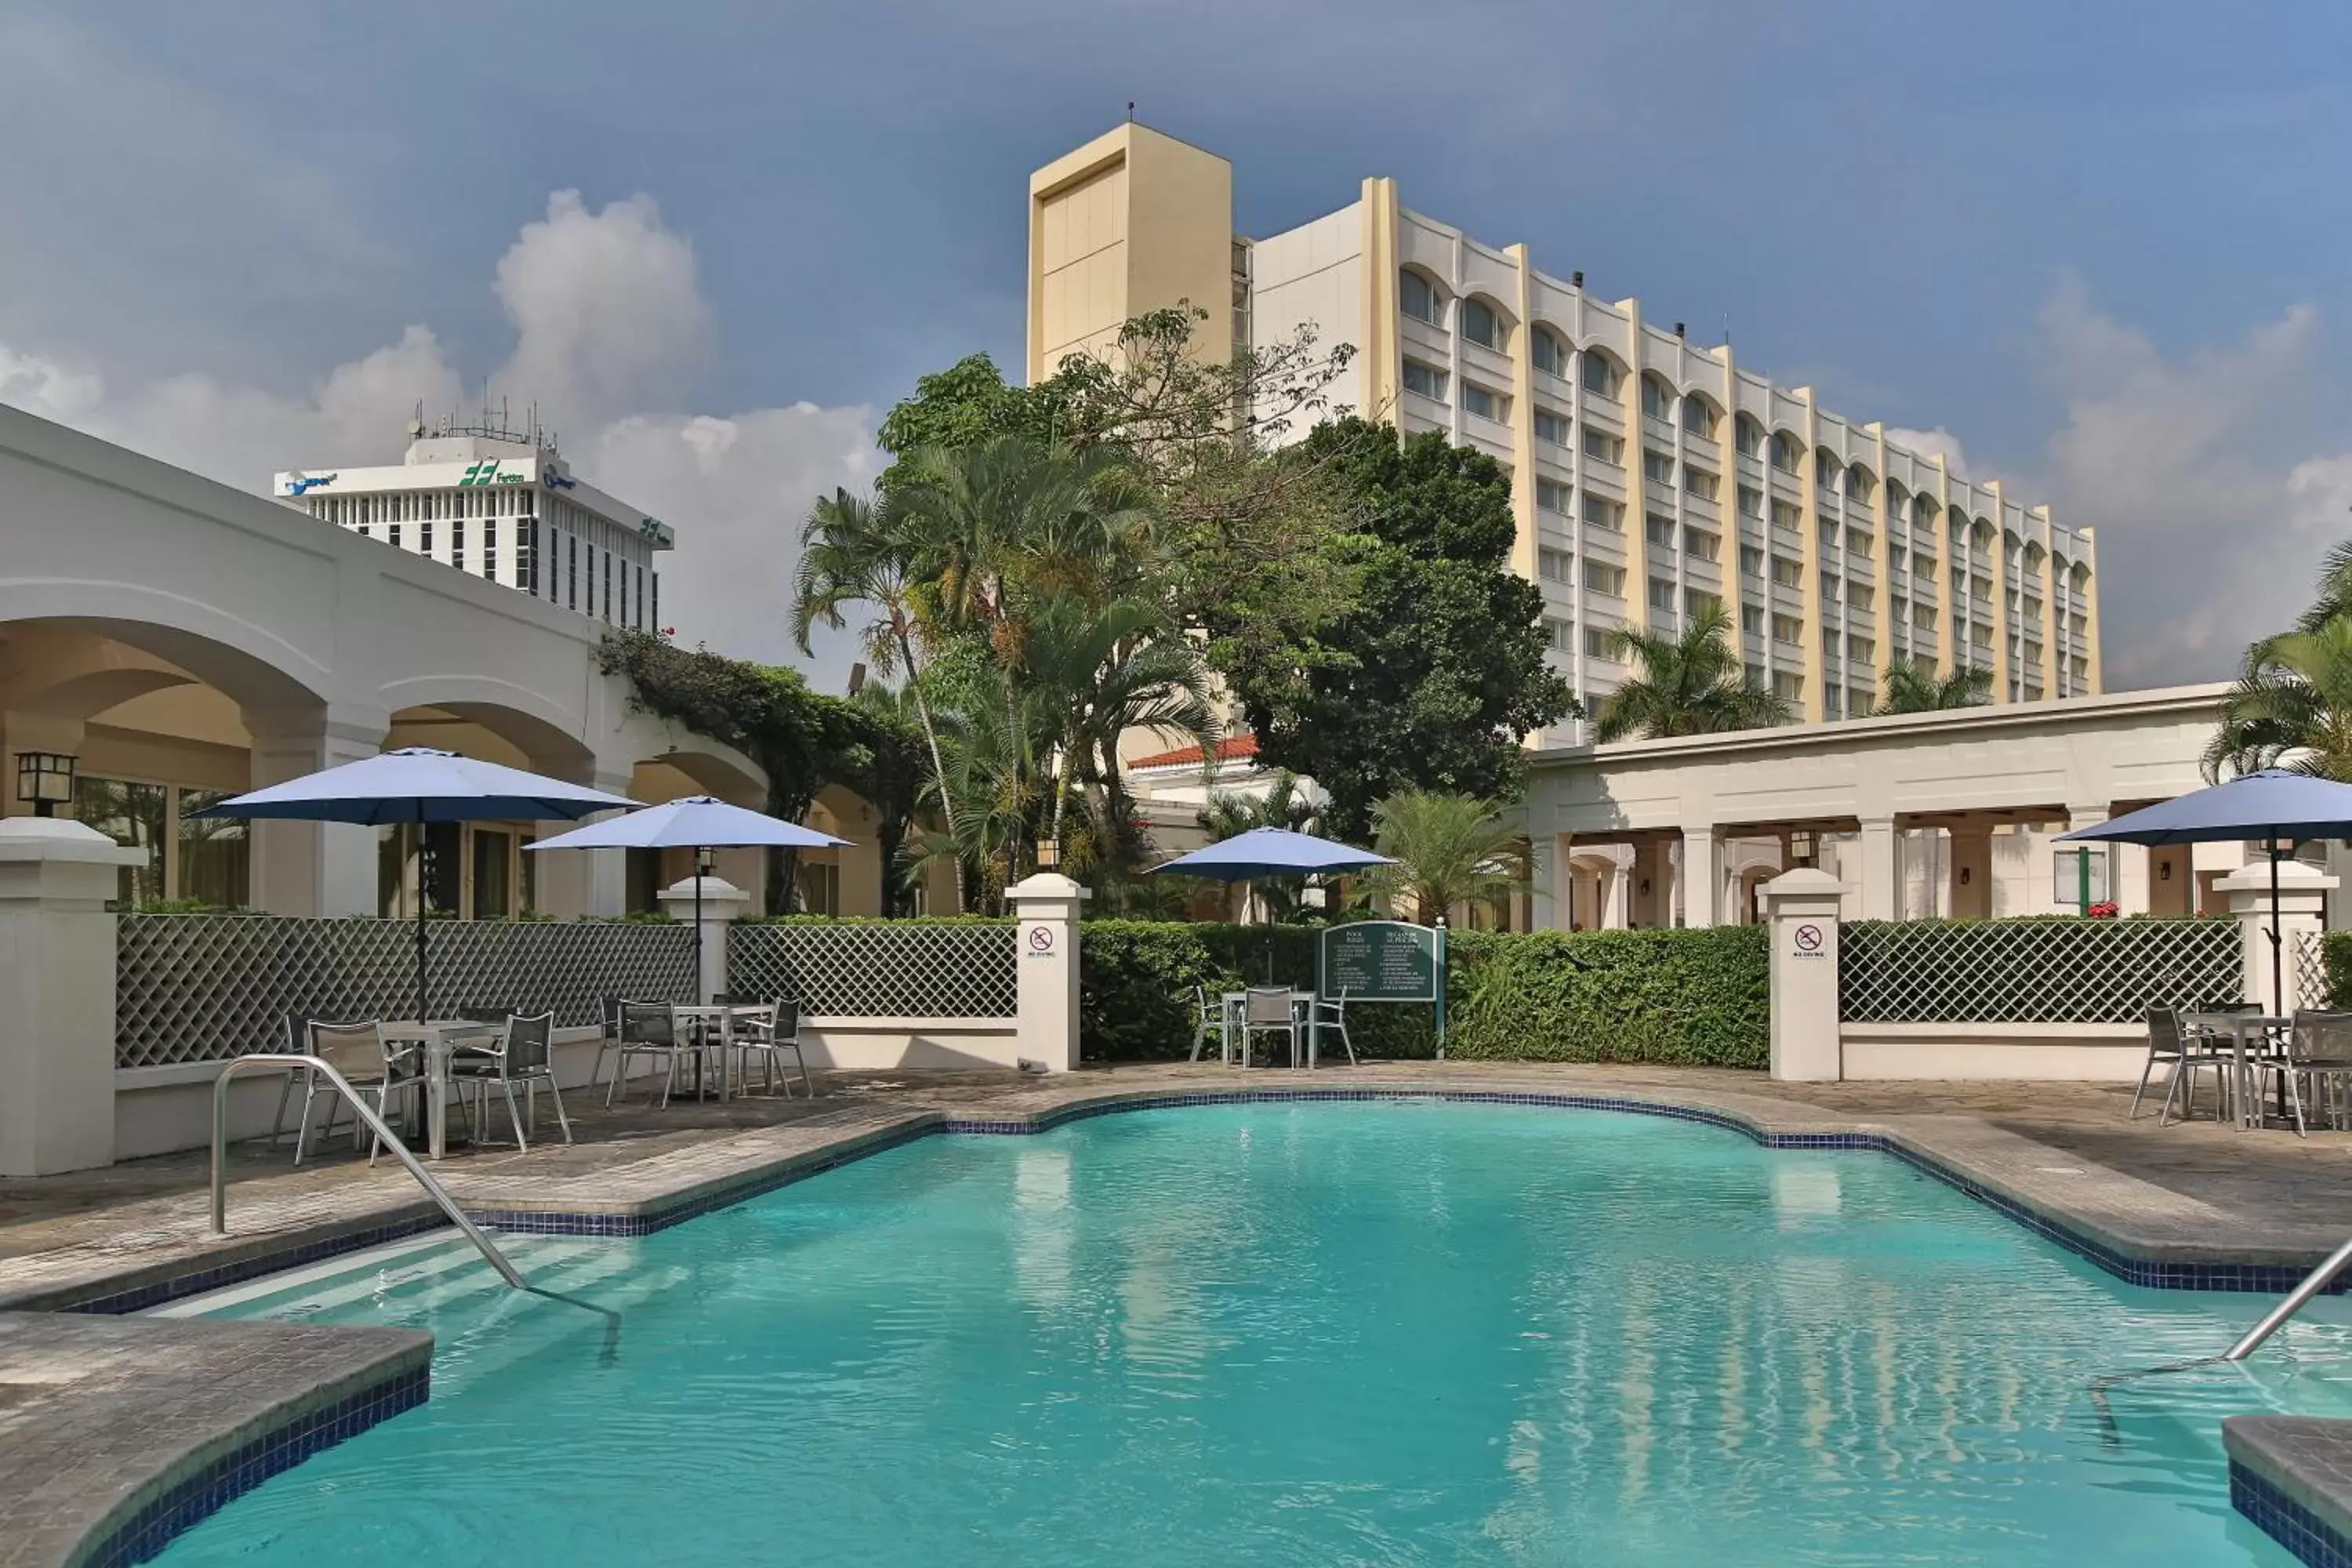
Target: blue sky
2104	245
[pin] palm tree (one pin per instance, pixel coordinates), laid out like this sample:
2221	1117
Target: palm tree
1693	684
1914	687
1012	515
858	552
1449	849
2291	706
1229	815
1104	670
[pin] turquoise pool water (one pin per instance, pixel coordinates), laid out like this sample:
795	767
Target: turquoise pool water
1294	1334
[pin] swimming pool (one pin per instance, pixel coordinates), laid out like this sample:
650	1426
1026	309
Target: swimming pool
1287	1333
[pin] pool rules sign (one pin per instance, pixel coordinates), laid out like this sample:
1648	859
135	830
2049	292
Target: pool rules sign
1384	960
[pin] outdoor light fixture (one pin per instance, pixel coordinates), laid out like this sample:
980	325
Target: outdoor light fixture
1801	847
1049	855
2163	871
45	779
1964	875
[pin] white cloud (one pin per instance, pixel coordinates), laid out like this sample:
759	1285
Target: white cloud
2209	524
610	325
737	490
609	317
1937	442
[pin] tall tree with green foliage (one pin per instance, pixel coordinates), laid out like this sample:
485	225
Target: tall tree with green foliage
1686	683
1436	672
1915	688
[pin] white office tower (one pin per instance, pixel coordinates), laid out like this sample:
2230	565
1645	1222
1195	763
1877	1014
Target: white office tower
503	504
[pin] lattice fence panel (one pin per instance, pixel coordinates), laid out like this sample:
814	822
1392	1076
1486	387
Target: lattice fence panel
892	969
204	987
2033	971
2311	986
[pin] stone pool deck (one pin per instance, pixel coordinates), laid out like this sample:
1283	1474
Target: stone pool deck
2190	1204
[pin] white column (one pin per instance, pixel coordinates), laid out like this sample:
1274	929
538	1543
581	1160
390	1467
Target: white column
721	904
322	868
1701	875
2303	892
56	970
1616	901
1045	932
1802	908
1882	870
576	882
1551	898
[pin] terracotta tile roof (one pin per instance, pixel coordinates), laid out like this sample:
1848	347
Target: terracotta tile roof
1231	749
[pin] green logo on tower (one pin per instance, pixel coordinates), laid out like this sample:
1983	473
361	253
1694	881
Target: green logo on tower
485	472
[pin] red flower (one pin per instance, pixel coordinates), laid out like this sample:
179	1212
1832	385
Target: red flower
2104	911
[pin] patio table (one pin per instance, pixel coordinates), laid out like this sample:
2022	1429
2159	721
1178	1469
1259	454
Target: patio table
723	1013
441	1038
2239	1026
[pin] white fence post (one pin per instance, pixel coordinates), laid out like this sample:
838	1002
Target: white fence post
56	970
1802	908
1045	959
722	905
2302	907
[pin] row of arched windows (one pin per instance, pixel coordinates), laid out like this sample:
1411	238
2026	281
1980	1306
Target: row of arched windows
1601	373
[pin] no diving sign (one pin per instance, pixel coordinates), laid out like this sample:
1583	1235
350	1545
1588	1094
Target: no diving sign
1808	941
1038	941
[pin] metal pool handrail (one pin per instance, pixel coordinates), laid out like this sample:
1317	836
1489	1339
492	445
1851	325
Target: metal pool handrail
2313	1284
433	1189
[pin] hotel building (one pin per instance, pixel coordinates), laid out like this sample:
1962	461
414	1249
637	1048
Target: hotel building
504	505
1651	475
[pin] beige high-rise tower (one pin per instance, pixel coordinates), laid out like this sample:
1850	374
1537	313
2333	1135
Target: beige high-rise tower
1652	476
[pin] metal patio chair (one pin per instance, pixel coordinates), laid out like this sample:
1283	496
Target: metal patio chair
770	1034
1327	1014
1210	1014
524	1055
650	1029
2191	1050
358	1052
1268	1010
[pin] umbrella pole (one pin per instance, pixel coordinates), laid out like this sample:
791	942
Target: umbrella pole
698	997
2278	965
423	1011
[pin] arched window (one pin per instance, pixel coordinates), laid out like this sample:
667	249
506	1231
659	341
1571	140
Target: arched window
1980	537
1859	483
1826	470
1550	352
1698	416
1787	452
1658	399
1898	502
1598	373
1417	297
1923	511
1748	435
1481	325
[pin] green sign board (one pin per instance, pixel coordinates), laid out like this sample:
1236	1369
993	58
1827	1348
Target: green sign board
1380	961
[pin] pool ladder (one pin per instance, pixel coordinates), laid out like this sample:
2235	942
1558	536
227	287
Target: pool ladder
2295	1300
433	1189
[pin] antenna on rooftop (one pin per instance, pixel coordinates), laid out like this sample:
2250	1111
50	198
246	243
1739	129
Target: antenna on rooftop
1130	112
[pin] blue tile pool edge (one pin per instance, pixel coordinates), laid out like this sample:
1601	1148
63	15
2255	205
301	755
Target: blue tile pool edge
2312	1539
300	1431
2271	1279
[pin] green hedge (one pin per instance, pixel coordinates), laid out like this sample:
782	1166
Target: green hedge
2338	946
1687	997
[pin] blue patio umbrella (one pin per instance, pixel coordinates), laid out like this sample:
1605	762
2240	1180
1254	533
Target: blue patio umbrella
696	822
414	785
2274	804
1271	852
